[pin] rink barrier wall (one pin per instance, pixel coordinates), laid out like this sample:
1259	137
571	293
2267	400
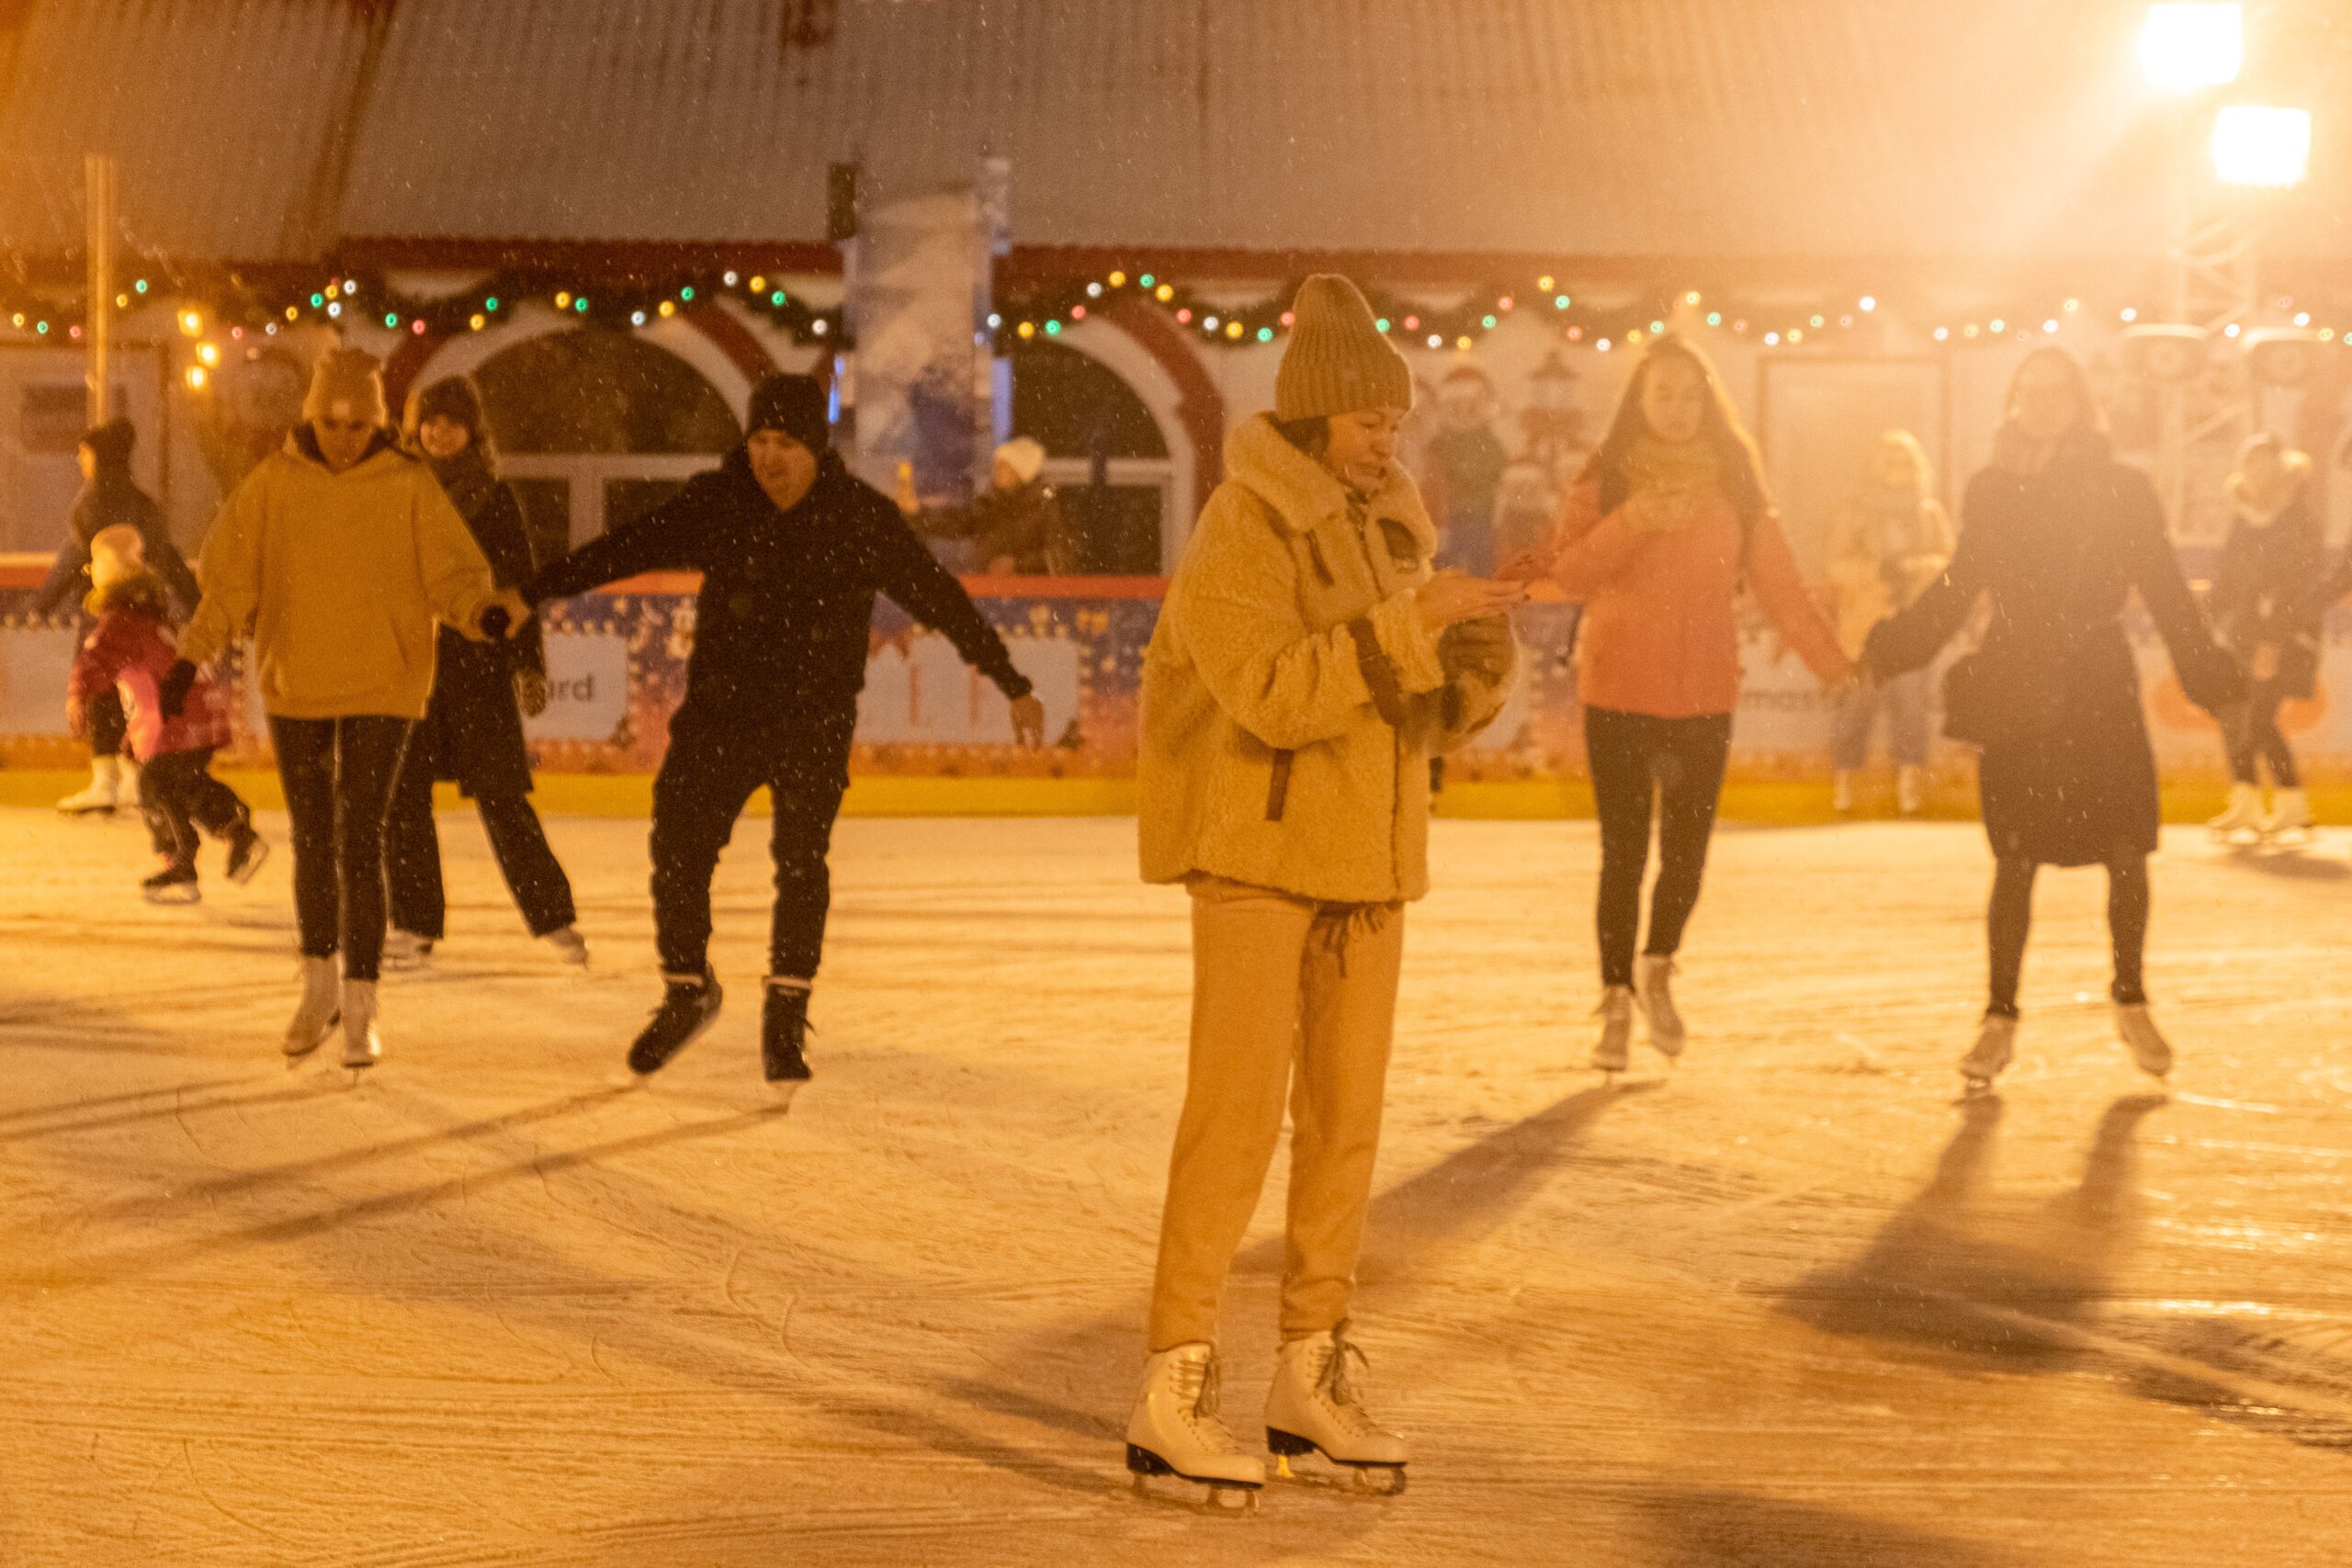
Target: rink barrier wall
935	738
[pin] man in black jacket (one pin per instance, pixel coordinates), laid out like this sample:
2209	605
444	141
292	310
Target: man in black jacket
793	548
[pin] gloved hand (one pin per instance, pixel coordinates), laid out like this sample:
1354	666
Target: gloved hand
1480	647
502	618
171	693
531	691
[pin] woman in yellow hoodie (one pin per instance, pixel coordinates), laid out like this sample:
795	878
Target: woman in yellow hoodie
340	553
1306	667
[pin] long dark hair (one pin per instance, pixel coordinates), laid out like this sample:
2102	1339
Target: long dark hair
2094	413
1742	469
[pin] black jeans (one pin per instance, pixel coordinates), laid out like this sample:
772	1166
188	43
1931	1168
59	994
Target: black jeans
2255	736
2009	919
1683	759
413	858
338	774
704	784
177	795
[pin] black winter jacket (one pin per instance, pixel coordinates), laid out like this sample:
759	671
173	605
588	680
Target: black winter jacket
110	497
2262	592
472	731
782	622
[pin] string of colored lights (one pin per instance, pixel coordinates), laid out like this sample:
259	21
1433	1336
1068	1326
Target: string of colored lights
1022	316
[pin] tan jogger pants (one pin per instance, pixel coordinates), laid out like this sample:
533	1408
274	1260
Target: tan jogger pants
1279	983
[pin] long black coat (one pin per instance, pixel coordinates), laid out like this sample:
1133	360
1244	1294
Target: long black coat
472	730
112	496
2262	592
782	622
2058	552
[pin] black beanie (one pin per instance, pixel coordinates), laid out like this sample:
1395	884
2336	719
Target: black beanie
451	399
111	443
793	404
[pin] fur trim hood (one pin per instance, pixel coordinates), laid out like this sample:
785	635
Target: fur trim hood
1303	494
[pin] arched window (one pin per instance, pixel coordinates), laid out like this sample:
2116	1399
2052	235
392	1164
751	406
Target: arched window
1104	454
595	427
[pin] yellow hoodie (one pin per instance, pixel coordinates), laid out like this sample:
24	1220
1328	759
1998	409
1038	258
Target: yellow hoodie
338	578
1265	755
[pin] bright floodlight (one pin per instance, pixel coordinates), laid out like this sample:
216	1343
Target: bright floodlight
2185	48
2258	146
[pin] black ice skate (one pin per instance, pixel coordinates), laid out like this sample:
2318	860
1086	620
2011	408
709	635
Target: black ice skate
784	1029
174	884
247	849
689	1004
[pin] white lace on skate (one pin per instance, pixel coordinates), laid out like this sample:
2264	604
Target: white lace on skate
1198	1384
1336	1394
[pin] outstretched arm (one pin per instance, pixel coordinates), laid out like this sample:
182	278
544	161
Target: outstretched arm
662	540
915	580
2207	674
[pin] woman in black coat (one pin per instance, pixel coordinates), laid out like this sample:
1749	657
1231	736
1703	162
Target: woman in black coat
2263	606
472	732
2057	535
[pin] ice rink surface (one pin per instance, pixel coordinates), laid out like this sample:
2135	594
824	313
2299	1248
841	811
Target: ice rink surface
1788	1304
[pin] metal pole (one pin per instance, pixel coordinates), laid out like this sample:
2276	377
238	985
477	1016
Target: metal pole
98	314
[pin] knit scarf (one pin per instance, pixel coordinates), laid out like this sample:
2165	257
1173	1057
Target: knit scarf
1655	465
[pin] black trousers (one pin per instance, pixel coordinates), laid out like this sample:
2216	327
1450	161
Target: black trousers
178	794
412	857
2254	735
1632	755
2008	919
339	775
109	726
704	784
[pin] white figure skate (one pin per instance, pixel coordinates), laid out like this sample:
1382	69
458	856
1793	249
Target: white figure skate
362	1047
1174	1430
1610	1053
1997	1044
317	1012
1315	1406
1654	990
2289	820
2240	822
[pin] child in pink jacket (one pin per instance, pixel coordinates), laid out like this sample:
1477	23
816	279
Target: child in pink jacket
128	651
1670	523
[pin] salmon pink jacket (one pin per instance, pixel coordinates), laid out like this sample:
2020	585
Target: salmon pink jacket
1660	633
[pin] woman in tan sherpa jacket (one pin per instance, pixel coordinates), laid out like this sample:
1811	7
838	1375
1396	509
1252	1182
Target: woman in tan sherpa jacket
1306	667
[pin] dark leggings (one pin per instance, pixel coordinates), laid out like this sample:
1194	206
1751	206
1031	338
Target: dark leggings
178	794
338	774
412	857
109	726
2011	917
2255	736
1630	754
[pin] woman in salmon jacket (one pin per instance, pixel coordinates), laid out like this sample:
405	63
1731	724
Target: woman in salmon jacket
1307	665
1669	521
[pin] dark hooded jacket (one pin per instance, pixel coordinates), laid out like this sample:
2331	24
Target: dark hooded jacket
781	624
112	496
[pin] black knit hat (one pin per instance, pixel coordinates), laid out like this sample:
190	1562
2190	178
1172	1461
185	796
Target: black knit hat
453	398
112	443
793	404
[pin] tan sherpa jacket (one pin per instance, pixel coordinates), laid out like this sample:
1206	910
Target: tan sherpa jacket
1289	630
340	579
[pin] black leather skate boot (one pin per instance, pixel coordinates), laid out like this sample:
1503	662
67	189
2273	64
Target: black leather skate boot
689	1004
784	1028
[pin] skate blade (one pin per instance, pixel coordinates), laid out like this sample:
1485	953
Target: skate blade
246	873
172	897
1156	1481
782	1093
1293	1466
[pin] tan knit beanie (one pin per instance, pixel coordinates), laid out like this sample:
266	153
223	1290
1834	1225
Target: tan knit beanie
346	384
1337	361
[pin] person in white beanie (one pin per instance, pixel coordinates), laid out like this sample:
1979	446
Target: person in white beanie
1017	528
1307	665
340	553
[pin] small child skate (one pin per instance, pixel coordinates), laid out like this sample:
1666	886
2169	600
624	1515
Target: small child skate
172	883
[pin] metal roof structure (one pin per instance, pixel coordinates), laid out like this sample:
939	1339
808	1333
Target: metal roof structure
1644	129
